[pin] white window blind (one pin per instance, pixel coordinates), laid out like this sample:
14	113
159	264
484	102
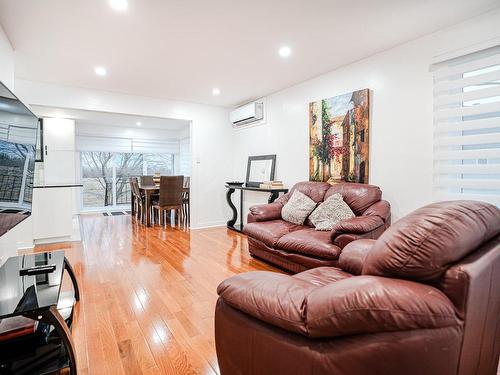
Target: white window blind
467	127
126	145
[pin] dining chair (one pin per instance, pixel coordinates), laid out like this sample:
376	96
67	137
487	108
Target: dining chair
185	199
171	197
138	198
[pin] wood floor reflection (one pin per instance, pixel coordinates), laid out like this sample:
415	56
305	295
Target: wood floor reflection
148	294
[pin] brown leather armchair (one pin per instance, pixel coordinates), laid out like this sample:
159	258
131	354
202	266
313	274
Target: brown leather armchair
300	247
422	299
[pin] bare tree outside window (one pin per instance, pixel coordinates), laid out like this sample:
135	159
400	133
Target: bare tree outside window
127	165
14	183
159	163
105	175
97	176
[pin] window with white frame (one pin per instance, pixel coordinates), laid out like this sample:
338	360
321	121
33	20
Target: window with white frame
107	163
467	127
105	175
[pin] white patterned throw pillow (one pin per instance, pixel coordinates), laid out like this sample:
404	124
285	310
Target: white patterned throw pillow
298	208
330	212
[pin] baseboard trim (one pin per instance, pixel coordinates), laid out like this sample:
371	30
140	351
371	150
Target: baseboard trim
209	225
44	241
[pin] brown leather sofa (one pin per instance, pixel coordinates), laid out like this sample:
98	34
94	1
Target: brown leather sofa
422	299
299	247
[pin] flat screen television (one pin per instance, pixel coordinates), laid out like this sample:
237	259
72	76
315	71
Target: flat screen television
18	132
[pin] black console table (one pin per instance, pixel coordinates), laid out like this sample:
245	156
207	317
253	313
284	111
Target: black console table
37	297
274	193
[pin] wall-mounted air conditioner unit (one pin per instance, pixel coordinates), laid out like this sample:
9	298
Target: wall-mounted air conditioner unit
247	114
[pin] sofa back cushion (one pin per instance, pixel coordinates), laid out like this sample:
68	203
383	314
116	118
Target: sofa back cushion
358	196
314	190
422	245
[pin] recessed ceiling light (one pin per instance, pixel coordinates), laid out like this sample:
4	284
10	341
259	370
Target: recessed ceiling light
285	51
100	71
215	91
120	5
138	123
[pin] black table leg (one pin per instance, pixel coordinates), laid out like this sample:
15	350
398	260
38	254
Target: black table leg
241	211
232	221
274	195
71	273
52	317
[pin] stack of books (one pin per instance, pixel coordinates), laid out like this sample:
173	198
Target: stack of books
272	185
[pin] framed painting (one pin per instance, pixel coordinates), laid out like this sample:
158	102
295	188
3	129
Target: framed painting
339	134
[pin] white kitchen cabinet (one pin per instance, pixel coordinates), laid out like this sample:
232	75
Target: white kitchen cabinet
52	214
59	151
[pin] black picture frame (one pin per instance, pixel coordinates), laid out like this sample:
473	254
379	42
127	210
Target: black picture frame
39	142
259	158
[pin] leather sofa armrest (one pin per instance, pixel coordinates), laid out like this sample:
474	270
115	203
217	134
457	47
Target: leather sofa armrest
343	240
353	255
371	304
274	298
369	225
357	225
265	212
381	209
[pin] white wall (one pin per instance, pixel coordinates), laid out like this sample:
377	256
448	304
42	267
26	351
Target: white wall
211	136
6	61
21	236
401	116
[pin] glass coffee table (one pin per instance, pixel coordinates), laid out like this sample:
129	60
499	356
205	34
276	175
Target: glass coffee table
30	287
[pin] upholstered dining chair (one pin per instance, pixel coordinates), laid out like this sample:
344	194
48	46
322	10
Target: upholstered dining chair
170	198
138	198
185	199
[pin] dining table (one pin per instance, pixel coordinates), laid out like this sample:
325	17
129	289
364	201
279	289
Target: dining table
148	190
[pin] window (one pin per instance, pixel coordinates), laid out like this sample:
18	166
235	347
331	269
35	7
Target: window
105	175
467	128
97	176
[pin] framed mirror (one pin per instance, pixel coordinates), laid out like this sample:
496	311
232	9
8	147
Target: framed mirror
260	169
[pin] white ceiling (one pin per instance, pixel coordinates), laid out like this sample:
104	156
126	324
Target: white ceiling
181	49
111	119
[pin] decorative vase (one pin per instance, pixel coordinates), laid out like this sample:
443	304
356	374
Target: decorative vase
157	178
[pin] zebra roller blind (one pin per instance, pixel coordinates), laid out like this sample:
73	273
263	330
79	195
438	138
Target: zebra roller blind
467	127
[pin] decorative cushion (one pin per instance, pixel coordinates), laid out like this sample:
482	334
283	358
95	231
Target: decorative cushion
330	212
298	208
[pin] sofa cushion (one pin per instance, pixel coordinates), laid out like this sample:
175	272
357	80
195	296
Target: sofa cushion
314	190
322	276
330	212
269	232
422	245
309	242
358	196
370	304
298	208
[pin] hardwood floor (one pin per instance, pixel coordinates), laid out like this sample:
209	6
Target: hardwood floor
148	294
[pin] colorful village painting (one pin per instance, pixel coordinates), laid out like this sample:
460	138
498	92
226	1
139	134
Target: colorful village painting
339	138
